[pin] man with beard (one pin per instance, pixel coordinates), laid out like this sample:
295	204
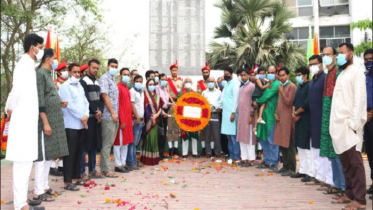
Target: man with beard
347	120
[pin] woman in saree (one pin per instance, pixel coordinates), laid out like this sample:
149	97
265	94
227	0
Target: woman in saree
153	104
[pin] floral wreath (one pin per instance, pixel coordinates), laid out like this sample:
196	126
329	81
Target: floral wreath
188	123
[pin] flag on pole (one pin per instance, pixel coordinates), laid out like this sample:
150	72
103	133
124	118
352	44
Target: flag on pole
52	43
316	49
48	42
310	45
57	48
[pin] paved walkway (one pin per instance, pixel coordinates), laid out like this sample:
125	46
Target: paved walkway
191	184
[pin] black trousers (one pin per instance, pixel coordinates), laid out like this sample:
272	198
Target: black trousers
368	140
288	156
71	162
162	122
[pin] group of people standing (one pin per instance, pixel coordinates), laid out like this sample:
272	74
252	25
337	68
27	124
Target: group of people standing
77	114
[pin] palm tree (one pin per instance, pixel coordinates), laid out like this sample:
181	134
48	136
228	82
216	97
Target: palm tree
253	32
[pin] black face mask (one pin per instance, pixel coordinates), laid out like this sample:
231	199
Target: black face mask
205	77
227	78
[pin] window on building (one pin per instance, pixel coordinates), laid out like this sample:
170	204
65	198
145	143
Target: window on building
333	7
304	7
334	36
299	36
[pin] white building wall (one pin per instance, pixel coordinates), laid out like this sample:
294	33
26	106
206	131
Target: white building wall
359	10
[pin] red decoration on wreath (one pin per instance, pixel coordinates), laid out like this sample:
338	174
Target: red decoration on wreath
193	100
191	123
180	110
205	113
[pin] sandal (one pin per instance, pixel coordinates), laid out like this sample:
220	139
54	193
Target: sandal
315	182
338	195
110	174
324	187
354	206
50	192
82	182
71	187
33	202
44	197
331	191
343	200
262	165
94	175
248	164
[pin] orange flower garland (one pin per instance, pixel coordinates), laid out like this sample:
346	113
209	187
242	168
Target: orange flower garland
192	100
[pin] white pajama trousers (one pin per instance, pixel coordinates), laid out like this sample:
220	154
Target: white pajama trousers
42	172
186	146
120	152
323	167
21	177
247	151
306	163
176	144
54	164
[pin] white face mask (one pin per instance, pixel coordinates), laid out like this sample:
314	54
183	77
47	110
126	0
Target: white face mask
188	85
64	74
39	55
74	79
314	69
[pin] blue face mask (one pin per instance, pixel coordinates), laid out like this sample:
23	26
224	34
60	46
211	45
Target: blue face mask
299	79
125	79
138	86
222	84
327	60
113	72
211	85
163	83
368	66
262	76
271	77
55	64
151	88
341	59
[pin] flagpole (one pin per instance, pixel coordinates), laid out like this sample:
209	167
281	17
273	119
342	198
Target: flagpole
316	21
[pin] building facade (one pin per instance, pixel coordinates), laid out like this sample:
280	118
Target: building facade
331	19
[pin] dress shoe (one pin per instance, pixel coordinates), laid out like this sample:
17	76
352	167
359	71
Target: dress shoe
298	175
370	190
287	173
121	170
308	179
55	172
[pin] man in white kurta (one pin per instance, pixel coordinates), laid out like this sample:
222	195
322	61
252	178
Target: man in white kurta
347	119
23	109
229	121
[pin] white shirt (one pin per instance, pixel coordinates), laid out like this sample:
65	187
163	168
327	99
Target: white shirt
349	110
214	98
23	101
138	99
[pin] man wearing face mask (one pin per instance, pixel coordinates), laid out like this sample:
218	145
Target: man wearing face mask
109	119
301	117
202	85
212	130
92	135
284	127
137	102
52	136
326	143
229	121
22	103
125	132
322	164
156	77
187	136
162	92
245	119
347	119
265	132
368	128
62	74
76	122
